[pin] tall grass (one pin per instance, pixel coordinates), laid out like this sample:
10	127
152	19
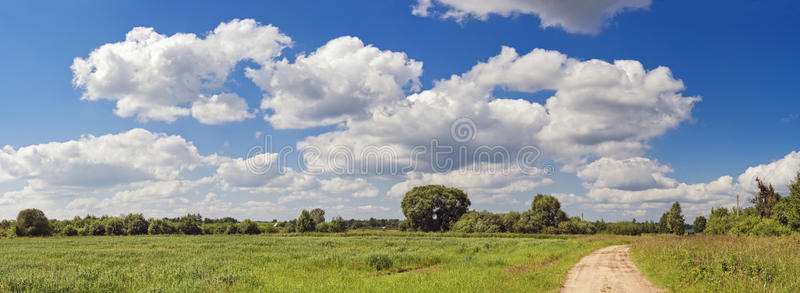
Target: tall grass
300	263
721	263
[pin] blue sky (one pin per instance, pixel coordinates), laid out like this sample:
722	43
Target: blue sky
739	57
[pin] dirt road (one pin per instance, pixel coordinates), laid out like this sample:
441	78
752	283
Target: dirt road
607	270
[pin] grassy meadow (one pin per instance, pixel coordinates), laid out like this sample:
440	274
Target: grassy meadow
344	262
707	263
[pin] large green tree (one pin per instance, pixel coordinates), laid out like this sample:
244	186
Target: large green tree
319	215
549	209
787	211
135	224
699	224
305	223
663	223
434	207
675	221
33	222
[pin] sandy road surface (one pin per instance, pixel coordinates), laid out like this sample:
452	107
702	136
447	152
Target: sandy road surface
607	270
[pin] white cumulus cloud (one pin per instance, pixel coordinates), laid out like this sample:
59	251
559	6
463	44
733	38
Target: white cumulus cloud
157	77
344	79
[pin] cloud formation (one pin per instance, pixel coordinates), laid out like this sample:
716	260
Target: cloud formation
599	109
156	173
344	79
152	76
574	16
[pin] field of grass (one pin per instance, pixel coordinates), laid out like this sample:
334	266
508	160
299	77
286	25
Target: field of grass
290	263
721	263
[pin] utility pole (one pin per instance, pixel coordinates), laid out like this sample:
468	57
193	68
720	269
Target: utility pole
737	205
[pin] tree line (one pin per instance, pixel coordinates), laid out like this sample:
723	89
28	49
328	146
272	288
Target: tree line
436	208
771	214
439	208
33	222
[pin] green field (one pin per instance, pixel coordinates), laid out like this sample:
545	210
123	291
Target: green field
290	263
708	263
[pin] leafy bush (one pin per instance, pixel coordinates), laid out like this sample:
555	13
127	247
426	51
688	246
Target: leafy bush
188	225
770	227
96	228
32	222
135	224
744	225
379	262
699	224
269	228
530	222
322	227
720	223
115	226
787	211
231	228
249	227
305	223
482	222
576	226
337	225
405	225
290	227
157	227
509	220
69	230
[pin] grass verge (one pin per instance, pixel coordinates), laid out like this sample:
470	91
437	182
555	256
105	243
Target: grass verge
708	263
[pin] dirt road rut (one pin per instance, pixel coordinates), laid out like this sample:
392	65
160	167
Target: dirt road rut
608	270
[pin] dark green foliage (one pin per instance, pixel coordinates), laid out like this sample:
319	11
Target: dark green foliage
291	227
530	222
373	223
69	230
675	222
249	227
663	223
765	199
770	227
510	219
720	221
699	224
32	222
189	225
787	211
576	226
322	227
549	208
135	224
115	226
158	227
405	225
305	223
630	228
482	222
318	214
337	225
749	223
96	228
434	207
379	262
231	228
